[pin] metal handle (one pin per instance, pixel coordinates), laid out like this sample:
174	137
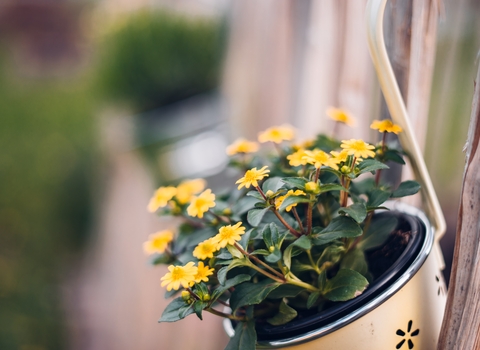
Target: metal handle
398	111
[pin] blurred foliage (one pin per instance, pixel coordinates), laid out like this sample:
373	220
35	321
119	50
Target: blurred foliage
47	143
155	58
452	92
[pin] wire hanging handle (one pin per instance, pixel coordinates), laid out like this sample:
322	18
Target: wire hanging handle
388	83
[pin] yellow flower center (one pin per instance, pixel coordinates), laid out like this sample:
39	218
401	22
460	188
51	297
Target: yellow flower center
178	273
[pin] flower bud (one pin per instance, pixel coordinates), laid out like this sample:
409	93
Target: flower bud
206	297
271	249
227	211
345	169
269	193
186	295
312	187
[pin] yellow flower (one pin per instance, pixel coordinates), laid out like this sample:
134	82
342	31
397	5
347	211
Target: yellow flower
200	205
252	176
358	148
297	158
279	200
203	272
186	189
161	197
386	126
277	134
340	157
228	235
158	242
180	275
242	146
205	249
341	115
318	158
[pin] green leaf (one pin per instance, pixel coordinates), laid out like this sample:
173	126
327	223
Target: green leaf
189	240
285	314
222	275
322	280
198	307
260	252
355	260
285	291
394	156
201	288
275	256
312	299
406	188
357	211
239	262
255	216
293	200
303	242
332	187
270	235
235	252
377	197
298	182
287	257
176	310
326	143
362	187
370	165
378	231
245	337
272	184
346	285
331	254
243	242
229	284
255	194
162	259
340	227
244	204
251	293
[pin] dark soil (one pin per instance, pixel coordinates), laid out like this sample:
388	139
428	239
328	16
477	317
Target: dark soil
380	259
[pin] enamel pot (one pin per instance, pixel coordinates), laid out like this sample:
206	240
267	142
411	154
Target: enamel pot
402	309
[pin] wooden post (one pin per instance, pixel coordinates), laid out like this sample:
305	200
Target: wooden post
461	323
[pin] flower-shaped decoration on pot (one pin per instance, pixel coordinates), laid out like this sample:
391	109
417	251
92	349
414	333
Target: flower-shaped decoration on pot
407	336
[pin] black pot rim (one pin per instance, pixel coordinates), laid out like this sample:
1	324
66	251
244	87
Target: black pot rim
382	289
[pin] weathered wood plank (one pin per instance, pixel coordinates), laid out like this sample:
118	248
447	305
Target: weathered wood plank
461	324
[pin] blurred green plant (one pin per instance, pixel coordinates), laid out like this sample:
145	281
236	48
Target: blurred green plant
152	59
47	143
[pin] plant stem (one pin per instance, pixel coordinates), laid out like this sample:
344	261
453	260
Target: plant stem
261	192
309	215
379	171
222	314
269	275
297	282
257	260
298	219
309	253
282	220
317	175
344	194
196	297
220	218
222	302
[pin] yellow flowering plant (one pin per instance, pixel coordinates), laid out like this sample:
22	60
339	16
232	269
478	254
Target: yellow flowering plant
291	237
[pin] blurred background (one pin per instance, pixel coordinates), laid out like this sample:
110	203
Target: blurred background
103	101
